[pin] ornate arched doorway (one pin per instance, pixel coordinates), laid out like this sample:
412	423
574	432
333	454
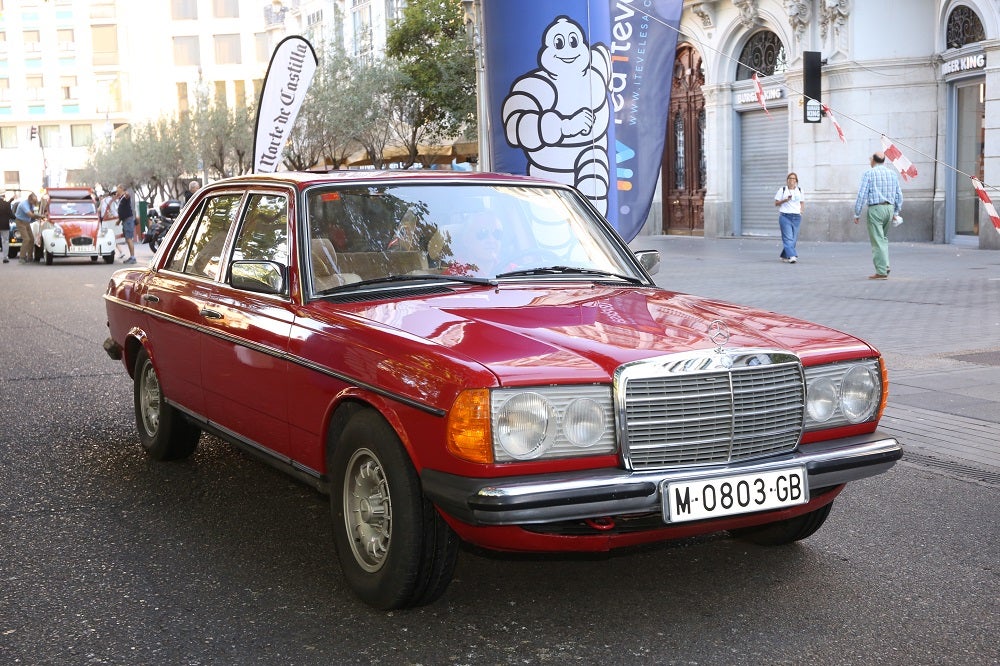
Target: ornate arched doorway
684	153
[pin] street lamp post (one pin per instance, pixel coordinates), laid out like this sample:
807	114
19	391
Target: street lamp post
474	28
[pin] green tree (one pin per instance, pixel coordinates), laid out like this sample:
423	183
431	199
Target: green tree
438	68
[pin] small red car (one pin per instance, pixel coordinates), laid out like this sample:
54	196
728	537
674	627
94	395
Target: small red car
480	357
74	227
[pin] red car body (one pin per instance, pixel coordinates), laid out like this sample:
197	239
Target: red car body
562	402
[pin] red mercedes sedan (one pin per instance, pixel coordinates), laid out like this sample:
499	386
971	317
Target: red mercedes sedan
481	357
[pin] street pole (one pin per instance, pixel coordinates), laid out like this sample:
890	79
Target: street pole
474	26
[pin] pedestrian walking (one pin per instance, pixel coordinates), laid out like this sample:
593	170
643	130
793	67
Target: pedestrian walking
126	218
790	203
6	217
24	215
880	191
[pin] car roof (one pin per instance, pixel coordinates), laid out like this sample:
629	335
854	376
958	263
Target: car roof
69	192
303	179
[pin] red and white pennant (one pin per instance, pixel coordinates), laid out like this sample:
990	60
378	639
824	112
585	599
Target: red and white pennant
836	125
758	90
905	166
987	204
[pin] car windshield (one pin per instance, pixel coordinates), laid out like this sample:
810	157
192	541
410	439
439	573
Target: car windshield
365	233
69	208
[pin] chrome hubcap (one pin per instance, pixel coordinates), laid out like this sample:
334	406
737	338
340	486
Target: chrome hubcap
367	510
149	399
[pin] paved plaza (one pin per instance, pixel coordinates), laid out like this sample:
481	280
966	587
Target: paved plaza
936	320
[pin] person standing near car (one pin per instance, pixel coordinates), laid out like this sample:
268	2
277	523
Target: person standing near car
6	216
790	205
126	218
193	187
24	214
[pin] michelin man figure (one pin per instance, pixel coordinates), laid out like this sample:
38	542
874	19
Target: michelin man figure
559	114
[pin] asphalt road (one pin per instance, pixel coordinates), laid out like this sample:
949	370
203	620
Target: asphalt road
107	557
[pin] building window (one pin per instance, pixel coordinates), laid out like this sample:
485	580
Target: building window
261	47
184	10
226	8
81	136
220	94
764	54
3	43
361	17
5	91
964	27
66	39
240	97
186	51
105	38
8	137
227	50
68	87
34	88
49	136
12	178
183	107
32	42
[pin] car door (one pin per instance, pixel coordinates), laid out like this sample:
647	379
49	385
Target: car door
174	296
244	371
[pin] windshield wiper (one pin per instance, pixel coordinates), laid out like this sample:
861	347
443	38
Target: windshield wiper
465	279
570	270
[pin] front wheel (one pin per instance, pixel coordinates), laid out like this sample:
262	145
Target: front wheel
394	548
48	258
109	258
785	531
163	431
154	243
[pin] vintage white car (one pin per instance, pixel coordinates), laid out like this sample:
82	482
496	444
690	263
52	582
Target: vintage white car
74	227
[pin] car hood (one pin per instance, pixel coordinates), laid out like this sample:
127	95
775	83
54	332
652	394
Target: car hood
77	226
582	334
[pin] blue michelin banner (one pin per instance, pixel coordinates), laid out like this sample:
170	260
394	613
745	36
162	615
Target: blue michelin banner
578	92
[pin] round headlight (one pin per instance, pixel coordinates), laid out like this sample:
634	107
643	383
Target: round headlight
859	394
525	425
583	422
821	400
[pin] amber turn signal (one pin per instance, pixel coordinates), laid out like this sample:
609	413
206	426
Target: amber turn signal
469	434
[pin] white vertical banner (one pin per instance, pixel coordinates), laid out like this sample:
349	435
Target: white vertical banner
289	74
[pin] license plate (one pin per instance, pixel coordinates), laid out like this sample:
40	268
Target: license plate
733	495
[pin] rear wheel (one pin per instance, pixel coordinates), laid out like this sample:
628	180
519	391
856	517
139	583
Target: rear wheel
394	548
93	259
785	531
163	431
154	243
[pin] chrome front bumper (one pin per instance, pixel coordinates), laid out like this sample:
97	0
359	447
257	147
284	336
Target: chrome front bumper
585	494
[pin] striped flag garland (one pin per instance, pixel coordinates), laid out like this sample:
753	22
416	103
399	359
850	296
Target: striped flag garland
836	125
758	90
987	204
905	166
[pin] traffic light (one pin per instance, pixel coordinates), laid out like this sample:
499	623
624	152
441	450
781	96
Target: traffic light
34	132
812	85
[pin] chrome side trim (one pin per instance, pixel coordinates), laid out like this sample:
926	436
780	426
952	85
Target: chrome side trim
615	492
283	355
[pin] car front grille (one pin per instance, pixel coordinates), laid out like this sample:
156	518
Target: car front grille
709	408
82	240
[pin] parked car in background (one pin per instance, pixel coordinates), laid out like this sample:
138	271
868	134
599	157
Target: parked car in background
481	357
74	227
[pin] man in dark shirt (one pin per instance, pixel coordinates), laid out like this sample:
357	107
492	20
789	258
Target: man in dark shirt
6	216
127	219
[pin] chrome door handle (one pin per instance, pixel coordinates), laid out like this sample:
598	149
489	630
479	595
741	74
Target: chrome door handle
210	314
149	298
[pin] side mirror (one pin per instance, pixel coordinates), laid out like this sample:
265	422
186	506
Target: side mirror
649	260
265	277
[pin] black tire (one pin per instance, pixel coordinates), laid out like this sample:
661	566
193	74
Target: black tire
154	243
785	531
93	259
163	431
394	548
48	258
109	258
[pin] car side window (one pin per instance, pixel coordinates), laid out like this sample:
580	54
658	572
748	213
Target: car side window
264	232
200	250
